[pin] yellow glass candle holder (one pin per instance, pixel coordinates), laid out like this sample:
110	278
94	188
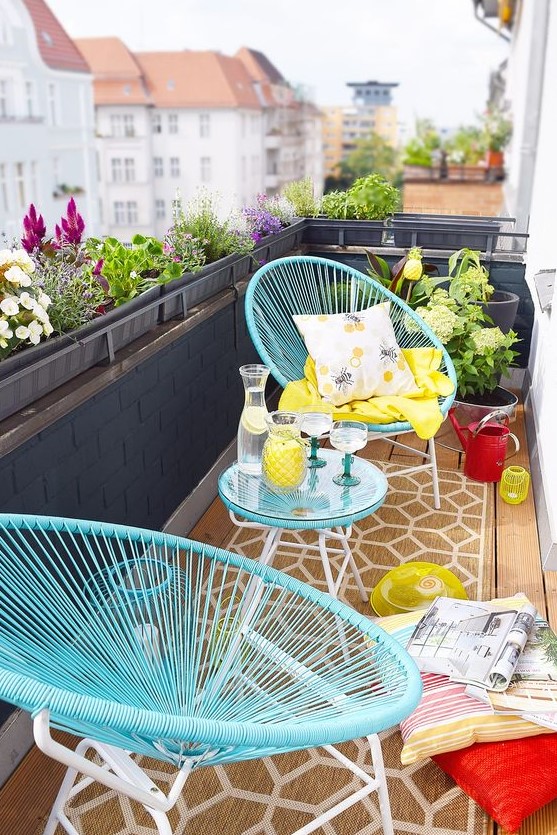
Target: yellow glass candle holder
513	487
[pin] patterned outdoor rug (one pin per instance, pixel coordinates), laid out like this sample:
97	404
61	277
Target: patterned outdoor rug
277	795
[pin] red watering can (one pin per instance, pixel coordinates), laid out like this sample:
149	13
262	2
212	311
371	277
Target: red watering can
485	446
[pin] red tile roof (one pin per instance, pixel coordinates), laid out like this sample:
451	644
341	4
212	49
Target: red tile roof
55	46
118	78
197	79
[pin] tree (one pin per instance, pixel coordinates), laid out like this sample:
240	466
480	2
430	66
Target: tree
371	154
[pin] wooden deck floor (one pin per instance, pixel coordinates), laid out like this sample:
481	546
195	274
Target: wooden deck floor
28	795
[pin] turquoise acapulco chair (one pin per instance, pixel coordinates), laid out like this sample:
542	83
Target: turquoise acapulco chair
304	284
140	642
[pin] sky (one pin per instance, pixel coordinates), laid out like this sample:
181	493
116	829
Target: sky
436	50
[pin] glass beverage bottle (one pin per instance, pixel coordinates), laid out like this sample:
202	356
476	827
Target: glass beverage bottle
253	429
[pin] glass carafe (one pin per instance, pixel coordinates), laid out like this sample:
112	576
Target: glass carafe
252	430
284	452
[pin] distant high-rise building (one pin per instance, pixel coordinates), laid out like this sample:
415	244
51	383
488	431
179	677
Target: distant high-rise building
371	111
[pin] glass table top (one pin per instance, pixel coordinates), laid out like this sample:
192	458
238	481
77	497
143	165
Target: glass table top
317	503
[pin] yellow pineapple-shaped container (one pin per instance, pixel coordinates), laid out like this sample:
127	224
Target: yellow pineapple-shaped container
284	458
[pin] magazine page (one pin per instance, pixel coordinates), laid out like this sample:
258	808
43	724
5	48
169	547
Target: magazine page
533	686
471	641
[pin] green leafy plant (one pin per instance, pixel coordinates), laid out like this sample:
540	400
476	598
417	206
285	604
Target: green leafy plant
368	198
129	271
200	218
480	353
301	194
497	129
420	149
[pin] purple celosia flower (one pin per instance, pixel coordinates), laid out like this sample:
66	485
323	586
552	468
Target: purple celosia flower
72	226
34	230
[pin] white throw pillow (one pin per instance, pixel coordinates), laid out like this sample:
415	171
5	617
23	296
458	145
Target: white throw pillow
356	355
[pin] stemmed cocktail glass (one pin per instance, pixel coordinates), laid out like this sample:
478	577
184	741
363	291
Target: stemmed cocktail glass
316	421
348	436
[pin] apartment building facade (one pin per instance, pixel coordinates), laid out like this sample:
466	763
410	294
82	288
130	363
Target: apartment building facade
371	111
46	119
181	123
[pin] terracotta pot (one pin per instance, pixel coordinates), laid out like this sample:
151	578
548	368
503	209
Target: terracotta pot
494	159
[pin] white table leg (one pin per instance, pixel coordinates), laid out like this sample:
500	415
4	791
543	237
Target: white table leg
343	536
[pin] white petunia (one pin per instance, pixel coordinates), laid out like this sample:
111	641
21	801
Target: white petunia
35	327
10	306
23	260
22	332
27	301
44	300
47	329
5	329
15	275
5	257
40	313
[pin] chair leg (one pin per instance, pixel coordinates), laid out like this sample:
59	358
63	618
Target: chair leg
70	788
434	473
377	782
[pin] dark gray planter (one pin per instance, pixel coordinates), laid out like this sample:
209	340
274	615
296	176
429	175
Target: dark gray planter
322	230
194	288
36	371
502	308
449	233
275	246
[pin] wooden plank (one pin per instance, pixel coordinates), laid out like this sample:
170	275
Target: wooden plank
27	797
518	552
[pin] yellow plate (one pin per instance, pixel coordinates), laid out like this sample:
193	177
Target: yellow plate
413	585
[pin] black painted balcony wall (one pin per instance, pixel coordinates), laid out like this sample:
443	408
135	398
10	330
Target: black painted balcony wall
133	452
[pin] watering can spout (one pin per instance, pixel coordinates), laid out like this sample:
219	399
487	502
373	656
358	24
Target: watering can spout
460	430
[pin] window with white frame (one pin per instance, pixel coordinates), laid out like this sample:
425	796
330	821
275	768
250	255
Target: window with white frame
4	109
30	99
158	167
205	169
116	127
174	166
129	124
173	123
116	168
52	104
4	194
131	212
204	125
160	209
129	170
119	212
20	184
34	179
156	123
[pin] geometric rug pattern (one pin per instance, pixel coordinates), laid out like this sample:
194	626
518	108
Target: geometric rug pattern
276	795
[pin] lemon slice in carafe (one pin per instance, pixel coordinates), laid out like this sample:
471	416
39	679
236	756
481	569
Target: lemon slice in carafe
253	420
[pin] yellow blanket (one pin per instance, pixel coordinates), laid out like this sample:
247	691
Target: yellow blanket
421	409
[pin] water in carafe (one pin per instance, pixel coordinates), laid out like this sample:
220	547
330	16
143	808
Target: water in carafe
252	429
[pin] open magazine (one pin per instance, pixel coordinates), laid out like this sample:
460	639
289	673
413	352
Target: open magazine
473	642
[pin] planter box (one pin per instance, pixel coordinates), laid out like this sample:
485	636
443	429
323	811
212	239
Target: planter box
449	233
275	246
320	230
194	288
33	372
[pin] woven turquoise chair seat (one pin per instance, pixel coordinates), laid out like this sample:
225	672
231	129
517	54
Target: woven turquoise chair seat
160	645
310	285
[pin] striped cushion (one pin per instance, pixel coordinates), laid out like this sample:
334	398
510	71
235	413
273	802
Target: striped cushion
446	719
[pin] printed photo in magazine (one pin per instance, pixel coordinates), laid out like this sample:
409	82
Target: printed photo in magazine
471	641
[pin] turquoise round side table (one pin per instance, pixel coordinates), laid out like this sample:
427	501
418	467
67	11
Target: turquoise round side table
318	504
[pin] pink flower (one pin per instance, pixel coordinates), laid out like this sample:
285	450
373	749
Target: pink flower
34	230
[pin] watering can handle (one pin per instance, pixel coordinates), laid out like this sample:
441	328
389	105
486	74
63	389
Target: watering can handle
516	444
499	416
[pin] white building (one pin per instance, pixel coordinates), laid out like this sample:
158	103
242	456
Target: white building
189	121
530	197
46	119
